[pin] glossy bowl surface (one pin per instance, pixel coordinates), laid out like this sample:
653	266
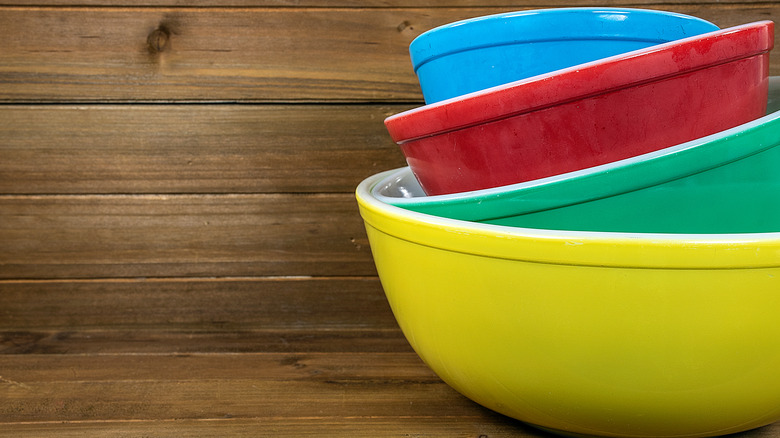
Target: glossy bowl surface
727	182
594	113
596	334
482	52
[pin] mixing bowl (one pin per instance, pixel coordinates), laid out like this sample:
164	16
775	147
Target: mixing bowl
478	53
594	334
727	182
589	114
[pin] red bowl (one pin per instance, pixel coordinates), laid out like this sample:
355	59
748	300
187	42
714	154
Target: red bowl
590	114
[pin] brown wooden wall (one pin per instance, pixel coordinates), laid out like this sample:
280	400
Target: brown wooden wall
177	177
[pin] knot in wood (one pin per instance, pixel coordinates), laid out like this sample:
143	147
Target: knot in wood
157	41
404	26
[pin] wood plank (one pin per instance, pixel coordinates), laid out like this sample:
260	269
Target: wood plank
353	427
335	367
355	3
270	54
193	148
440	426
164	341
161	387
195	304
373	394
114	236
99	54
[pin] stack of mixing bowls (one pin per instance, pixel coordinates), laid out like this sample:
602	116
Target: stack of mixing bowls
587	236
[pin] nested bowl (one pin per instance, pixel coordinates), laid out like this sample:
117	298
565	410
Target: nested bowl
482	52
590	114
727	182
588	333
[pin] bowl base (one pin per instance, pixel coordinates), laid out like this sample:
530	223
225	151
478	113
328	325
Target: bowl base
567	434
562	433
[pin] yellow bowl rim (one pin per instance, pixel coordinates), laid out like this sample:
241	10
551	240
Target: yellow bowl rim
584	248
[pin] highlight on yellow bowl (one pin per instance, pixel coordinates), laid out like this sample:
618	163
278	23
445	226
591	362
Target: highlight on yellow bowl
588	333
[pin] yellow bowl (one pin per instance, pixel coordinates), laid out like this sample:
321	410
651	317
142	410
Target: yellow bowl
588	333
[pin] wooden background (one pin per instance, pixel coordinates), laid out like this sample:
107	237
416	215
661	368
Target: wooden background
180	249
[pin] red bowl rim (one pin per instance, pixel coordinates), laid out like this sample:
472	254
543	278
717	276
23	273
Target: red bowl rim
582	81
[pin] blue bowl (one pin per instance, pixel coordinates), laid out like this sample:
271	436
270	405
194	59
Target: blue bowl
478	53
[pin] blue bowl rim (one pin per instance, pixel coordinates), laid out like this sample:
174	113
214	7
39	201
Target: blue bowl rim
571	24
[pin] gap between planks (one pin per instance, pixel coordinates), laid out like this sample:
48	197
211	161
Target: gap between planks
215	279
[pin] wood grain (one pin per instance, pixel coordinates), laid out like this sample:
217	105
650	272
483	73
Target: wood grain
379	394
216	315
237	395
359	3
106	54
182	235
357	427
216	304
274	54
193	148
374	427
164	340
151	387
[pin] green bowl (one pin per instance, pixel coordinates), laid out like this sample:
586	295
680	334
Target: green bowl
728	182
